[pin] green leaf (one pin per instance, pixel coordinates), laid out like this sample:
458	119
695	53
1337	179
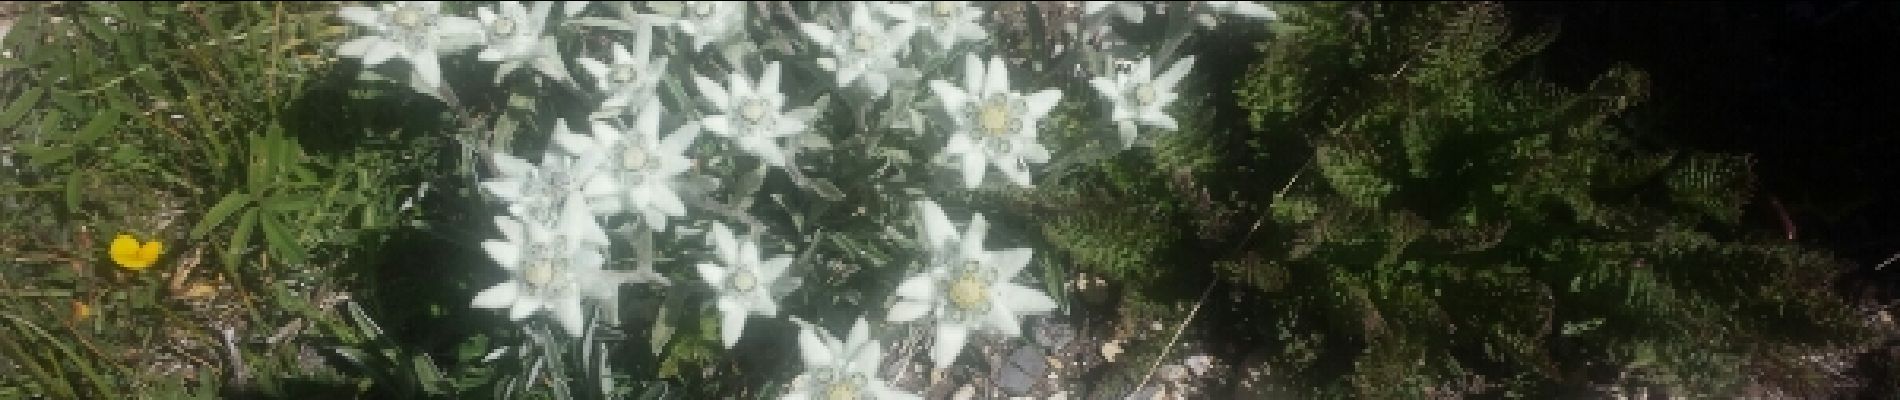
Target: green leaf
72	191
661	333
106	120
240	239
219	212
19	106
282	244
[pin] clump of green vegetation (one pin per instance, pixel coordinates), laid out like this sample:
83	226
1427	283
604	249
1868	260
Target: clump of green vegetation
1405	206
213	129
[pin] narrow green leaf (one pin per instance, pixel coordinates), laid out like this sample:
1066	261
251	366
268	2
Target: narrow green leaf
219	212
72	190
104	121
19	106
282	242
240	239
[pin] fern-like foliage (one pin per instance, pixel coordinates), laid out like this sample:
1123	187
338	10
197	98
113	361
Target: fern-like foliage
1406	206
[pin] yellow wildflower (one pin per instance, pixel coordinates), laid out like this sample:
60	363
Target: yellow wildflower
131	255
81	310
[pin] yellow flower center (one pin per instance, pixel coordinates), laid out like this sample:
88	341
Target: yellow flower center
841	391
505	26
864	42
943	9
408	17
753	110
632	157
538	274
1145	94
994	118
744	281
969	292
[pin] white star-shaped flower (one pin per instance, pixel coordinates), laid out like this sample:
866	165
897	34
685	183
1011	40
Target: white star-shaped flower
865	50
743	282
966	288
631	79
994	126
1247	9
945	22
538	194
636	168
516	36
549	267
1128	10
709	22
752	113
840	370
414	31
1139	96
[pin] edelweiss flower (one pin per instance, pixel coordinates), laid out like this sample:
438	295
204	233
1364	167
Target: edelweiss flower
710	21
540	193
635	168
994	126
630	80
744	283
967	288
414	31
1139	96
866	50
1247	9
840	370
516	36
550	268
945	22
1128	10
752	113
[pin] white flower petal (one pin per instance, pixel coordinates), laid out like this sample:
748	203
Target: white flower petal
812	349
502	295
568	312
973	168
731	322
505	254
1025	300
952	97
524	306
1172	78
1001	320
769	82
920	288
712	274
428	72
1038	105
361	16
937	229
950	340
972	244
906	311
727	245
995	78
1008	263
712	92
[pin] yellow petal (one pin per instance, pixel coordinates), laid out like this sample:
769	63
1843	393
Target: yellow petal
125	250
149	253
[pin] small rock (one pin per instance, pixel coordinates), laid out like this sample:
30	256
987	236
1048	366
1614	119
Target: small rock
966	392
1200	363
1174	373
1110	350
